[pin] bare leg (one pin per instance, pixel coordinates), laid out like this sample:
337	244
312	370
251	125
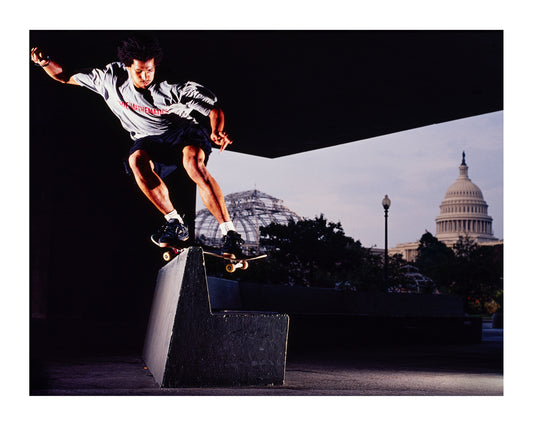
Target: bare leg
210	192
150	183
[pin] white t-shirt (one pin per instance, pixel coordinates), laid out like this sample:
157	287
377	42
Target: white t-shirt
161	107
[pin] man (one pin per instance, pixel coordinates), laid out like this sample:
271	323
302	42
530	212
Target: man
163	121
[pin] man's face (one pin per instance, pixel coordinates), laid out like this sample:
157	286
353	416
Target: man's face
142	73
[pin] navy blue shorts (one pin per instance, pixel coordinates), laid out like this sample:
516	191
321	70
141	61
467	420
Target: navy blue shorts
166	150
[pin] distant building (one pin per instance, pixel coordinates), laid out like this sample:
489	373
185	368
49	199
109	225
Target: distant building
407	250
463	212
249	210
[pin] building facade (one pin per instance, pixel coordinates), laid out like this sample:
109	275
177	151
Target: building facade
463	212
249	210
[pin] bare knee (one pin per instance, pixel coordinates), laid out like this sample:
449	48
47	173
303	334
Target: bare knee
195	168
143	170
139	162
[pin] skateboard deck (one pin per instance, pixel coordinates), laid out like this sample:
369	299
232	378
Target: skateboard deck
232	264
169	252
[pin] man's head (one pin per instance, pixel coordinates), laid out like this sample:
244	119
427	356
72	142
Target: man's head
140	55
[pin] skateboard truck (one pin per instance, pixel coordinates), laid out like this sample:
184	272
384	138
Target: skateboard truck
170	253
236	264
232	264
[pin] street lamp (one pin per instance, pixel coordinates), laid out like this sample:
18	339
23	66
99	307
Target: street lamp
386	204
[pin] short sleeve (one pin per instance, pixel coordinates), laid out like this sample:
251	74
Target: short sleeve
197	97
95	79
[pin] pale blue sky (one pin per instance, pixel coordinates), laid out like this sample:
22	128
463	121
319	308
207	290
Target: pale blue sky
348	182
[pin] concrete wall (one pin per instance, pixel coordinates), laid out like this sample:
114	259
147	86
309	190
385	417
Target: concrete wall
325	317
187	344
328	301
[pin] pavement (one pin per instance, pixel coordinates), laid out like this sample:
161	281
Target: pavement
378	370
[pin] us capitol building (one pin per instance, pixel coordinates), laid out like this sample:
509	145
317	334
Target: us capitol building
463	212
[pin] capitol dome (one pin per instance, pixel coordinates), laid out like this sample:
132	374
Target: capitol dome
464	211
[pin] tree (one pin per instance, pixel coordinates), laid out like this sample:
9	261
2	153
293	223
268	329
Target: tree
316	252
478	275
465	247
471	271
435	260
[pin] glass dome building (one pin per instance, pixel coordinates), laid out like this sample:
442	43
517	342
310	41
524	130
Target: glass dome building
249	210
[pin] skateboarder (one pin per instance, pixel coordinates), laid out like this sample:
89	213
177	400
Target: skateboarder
163	119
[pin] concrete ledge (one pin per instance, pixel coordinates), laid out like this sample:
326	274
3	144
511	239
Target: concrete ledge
497	320
188	345
322	317
325	301
224	294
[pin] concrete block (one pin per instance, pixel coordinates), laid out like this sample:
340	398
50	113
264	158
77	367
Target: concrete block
224	294
187	344
497	320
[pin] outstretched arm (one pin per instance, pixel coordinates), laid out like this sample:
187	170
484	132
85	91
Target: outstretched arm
216	118
53	69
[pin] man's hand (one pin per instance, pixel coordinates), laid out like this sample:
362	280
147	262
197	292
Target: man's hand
52	68
218	135
221	138
38	57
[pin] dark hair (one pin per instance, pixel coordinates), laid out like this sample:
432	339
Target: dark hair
141	48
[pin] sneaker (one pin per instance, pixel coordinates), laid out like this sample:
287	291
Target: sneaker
172	234
231	245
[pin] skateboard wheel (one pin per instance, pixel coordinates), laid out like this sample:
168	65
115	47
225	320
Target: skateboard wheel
244	265
168	255
230	267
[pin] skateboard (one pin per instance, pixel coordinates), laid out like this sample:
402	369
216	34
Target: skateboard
232	264
170	253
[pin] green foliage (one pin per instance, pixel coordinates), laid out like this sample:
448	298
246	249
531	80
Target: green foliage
316	253
434	259
471	271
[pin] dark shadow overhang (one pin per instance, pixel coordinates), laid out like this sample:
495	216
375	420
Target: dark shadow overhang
286	92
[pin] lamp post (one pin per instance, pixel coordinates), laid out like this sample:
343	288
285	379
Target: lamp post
386	204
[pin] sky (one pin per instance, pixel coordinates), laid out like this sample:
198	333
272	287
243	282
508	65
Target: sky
414	173
348	182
